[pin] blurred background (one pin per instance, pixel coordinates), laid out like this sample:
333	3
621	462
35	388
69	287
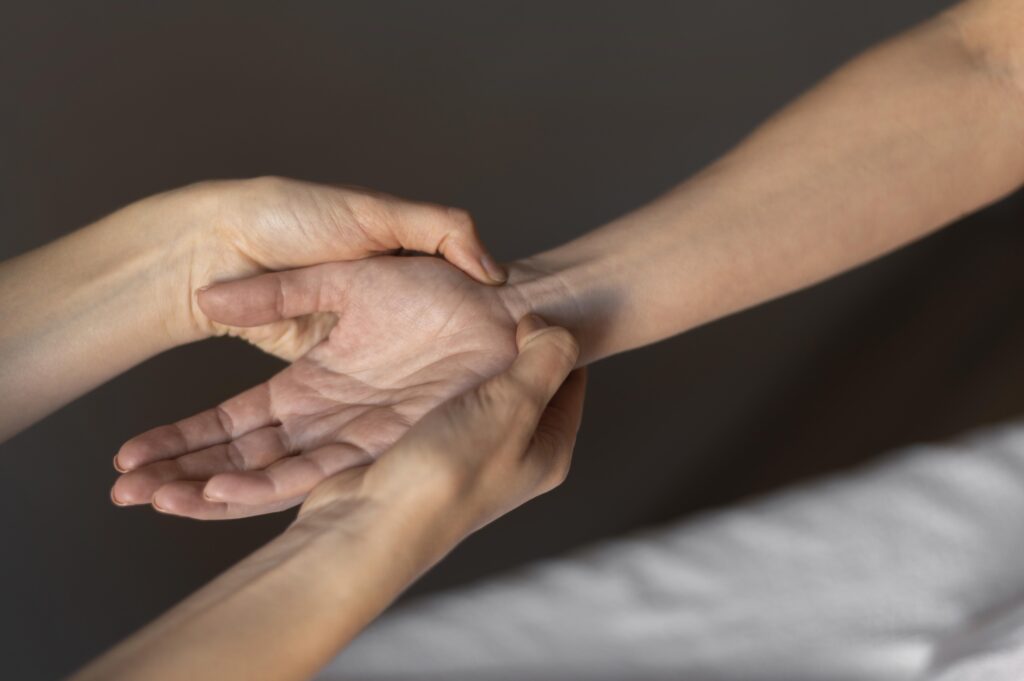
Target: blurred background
543	119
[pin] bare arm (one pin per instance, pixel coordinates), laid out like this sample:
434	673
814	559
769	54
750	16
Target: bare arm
898	142
364	535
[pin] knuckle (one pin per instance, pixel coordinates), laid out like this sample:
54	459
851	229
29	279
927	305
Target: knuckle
561	342
500	395
280	297
368	212
527	393
512	398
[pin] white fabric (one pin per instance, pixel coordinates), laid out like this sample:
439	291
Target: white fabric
911	569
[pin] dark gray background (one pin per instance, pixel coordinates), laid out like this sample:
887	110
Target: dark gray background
544	119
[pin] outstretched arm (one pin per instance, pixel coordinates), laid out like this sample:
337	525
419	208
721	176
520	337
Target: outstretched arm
903	139
364	535
84	308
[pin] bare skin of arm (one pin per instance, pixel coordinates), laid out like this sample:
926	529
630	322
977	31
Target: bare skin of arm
900	141
362	536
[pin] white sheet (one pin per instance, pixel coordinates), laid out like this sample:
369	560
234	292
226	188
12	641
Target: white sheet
911	569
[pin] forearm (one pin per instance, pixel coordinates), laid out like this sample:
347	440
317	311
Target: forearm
283	612
84	308
899	142
364	534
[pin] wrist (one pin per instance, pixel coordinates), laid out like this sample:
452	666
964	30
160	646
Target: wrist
565	292
138	261
417	512
196	250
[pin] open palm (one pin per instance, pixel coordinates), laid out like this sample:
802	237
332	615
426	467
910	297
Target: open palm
409	334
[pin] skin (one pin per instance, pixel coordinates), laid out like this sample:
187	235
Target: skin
342	403
284	611
898	142
138	269
903	139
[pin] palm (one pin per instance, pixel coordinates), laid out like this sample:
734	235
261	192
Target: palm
410	333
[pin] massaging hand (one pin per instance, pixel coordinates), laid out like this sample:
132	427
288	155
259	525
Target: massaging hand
408	333
270	224
480	454
365	534
89	306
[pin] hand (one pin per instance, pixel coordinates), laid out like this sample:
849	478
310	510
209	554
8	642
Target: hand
89	306
409	334
482	453
363	535
245	227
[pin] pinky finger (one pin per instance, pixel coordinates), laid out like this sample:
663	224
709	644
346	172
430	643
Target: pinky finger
185	498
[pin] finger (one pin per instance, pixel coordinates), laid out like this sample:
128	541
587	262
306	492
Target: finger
230	419
449	232
254	450
555	436
546	356
275	296
510	404
185	498
291	477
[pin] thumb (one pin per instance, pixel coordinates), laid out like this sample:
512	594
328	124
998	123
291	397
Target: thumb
546	356
275	296
508	407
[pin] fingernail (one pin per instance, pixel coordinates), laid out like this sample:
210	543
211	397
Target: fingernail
212	495
114	498
495	271
118	467
529	325
536	320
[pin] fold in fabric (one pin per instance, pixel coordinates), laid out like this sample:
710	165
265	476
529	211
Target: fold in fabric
909	569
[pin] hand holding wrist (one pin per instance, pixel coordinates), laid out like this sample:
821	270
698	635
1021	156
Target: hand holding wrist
476	456
231	229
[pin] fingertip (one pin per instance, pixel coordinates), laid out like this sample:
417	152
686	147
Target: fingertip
528	328
471	257
582	376
210	300
242	302
214	490
495	272
126	493
229	488
158	505
461	246
132	454
171	503
546	353
114	499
